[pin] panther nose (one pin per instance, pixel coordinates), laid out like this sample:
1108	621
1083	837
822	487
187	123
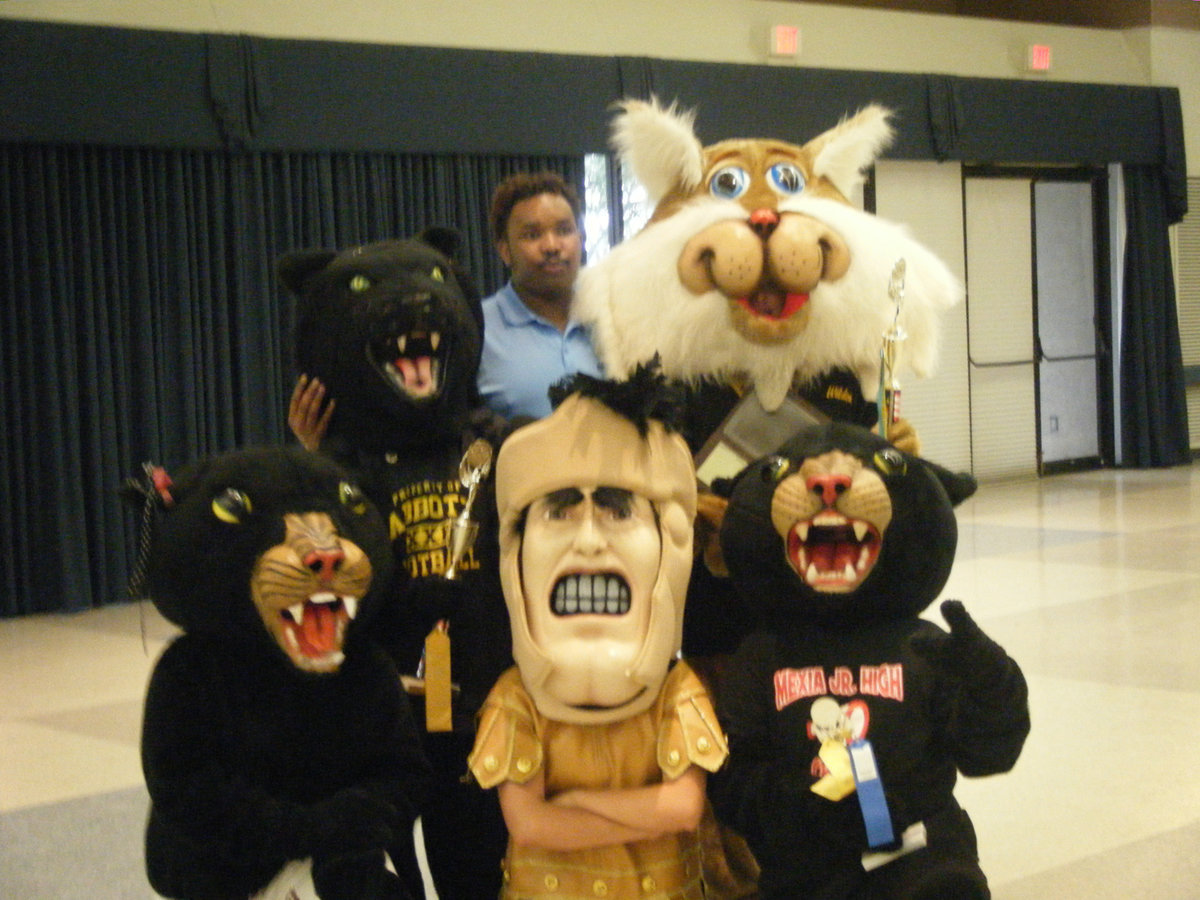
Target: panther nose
324	562
829	487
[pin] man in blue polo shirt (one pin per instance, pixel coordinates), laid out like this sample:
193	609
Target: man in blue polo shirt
529	338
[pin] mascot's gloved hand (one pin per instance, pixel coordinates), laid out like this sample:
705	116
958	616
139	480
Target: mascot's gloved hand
357	876
991	710
351	821
966	654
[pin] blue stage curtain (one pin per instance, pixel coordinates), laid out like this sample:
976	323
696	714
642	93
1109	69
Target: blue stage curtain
142	321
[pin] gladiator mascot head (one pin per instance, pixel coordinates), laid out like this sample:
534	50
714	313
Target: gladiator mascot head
596	505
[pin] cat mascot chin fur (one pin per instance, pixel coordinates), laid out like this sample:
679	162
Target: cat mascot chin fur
755	269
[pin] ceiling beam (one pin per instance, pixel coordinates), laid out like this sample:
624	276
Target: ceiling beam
1089	14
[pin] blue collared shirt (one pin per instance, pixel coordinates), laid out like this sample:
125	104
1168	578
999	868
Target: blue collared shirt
523	354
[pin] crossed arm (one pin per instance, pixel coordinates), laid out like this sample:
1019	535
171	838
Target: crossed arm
581	818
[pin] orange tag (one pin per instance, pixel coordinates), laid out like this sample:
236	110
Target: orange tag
437	679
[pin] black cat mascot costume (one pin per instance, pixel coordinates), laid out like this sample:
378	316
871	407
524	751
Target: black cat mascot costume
848	716
278	749
394	331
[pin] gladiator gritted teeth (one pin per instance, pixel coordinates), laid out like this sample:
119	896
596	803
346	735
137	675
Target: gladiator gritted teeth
595	594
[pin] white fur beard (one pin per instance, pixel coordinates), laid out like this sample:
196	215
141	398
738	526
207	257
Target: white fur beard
637	307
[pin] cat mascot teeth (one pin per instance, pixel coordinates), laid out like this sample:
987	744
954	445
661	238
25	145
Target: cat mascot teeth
754	267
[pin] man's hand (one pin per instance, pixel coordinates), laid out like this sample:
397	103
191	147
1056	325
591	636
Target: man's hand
306	417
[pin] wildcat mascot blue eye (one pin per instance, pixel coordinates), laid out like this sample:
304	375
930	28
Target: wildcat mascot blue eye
786	178
729	183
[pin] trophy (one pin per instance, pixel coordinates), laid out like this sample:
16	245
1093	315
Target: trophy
888	397
433	673
472	470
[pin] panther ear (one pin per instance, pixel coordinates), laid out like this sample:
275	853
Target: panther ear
297	268
959	485
447	241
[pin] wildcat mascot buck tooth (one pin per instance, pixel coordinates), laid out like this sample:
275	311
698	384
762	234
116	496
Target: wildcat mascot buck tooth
277	746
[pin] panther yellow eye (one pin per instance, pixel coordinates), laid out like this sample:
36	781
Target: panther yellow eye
359	283
230	505
437	274
775	468
890	461
352	498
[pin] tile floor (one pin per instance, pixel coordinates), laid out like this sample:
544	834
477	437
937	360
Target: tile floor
1091	581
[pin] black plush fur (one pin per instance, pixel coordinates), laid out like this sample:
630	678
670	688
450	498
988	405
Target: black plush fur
930	703
352	308
251	762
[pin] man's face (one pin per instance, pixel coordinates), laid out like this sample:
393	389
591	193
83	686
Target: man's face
589	562
542	246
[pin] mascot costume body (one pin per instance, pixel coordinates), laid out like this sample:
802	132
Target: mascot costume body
598	740
848	715
756	273
394	331
279	751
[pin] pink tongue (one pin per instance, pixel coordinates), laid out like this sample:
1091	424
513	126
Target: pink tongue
774	304
318	632
416	372
834	557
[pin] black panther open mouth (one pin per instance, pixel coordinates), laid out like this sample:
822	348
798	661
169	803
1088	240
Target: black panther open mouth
411	361
590	593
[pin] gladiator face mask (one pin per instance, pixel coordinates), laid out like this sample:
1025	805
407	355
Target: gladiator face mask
595	554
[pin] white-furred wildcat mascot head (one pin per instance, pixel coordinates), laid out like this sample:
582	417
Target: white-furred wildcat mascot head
754	264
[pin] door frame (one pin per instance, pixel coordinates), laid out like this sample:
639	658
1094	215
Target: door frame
1098	177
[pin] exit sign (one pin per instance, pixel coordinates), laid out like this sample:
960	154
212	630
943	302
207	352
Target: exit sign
1039	58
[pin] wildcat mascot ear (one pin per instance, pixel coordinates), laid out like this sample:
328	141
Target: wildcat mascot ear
659	147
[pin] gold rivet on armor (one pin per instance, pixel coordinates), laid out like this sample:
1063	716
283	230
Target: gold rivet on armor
673	758
600	888
491	763
703	745
649	885
524	765
551	882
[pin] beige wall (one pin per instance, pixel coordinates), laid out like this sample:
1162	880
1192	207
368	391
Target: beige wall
708	30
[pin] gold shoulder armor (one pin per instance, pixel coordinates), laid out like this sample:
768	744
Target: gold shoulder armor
690	734
506	748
